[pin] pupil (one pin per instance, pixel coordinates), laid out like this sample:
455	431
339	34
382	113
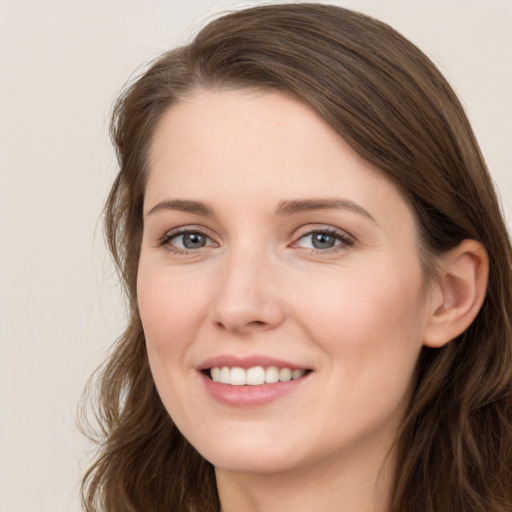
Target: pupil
193	240
323	241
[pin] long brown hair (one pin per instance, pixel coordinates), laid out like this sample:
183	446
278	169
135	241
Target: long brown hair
392	106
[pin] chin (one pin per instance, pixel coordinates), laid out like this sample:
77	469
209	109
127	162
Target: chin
256	463
255	455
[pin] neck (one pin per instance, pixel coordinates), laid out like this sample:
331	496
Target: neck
354	484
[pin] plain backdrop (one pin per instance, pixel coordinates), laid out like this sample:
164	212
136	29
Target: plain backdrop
61	66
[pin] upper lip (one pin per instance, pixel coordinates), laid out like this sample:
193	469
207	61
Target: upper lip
248	362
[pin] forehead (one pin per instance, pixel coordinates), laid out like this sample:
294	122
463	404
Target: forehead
248	116
257	146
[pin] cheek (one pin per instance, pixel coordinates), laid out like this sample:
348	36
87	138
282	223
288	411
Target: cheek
171	315
367	316
372	334
165	299
170	312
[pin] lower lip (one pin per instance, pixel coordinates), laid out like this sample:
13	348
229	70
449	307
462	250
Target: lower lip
251	396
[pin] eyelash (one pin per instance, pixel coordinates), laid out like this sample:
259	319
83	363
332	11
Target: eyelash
344	240
165	241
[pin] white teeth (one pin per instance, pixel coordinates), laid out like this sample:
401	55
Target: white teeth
285	374
255	376
237	377
272	375
215	373
224	375
297	374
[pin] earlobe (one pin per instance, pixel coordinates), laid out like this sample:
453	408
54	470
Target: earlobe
460	293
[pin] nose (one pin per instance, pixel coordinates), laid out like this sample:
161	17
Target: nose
247	298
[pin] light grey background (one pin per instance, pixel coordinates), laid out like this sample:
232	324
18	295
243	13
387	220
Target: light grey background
62	64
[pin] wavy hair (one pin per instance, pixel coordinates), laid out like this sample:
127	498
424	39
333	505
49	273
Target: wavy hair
386	99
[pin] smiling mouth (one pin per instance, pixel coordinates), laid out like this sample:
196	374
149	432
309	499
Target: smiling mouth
255	376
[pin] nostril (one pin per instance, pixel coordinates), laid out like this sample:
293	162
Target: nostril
253	324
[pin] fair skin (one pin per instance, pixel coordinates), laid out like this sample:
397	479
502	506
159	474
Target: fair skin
268	242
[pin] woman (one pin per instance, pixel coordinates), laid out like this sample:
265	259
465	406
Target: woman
318	276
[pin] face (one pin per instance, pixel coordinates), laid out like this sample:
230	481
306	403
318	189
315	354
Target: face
280	288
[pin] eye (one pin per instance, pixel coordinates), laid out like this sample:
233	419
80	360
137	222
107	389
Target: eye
186	241
323	240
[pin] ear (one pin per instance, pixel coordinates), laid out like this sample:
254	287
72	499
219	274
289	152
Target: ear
458	294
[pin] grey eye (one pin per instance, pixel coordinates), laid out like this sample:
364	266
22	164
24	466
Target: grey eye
193	240
188	240
321	240
324	240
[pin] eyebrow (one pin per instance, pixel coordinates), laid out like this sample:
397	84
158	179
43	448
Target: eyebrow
306	205
284	208
182	205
